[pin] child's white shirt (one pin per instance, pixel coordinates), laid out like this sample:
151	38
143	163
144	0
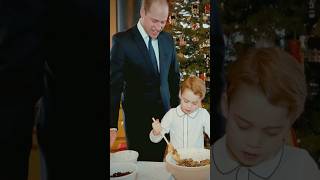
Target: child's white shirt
290	163
186	130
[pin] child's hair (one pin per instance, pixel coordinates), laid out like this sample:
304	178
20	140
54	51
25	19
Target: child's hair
195	84
279	76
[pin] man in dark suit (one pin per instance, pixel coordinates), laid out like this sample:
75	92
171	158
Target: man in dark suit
144	68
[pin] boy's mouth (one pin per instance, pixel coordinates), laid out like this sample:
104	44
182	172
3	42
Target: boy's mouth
250	156
186	110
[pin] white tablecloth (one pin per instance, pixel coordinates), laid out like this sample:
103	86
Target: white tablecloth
152	171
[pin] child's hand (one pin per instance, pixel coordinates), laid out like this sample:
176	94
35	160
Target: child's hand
156	128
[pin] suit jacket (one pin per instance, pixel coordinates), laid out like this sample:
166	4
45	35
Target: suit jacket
217	51
132	73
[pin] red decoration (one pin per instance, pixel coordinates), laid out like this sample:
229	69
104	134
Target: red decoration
122	146
195	26
294	49
202	76
207	8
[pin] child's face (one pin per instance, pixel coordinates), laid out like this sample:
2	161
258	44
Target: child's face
189	101
255	128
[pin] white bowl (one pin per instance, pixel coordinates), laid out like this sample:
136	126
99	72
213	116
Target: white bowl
124	156
189	173
123	167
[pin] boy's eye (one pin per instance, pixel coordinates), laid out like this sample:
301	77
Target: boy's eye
273	133
243	127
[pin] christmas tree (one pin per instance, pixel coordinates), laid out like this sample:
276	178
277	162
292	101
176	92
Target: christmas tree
248	23
189	23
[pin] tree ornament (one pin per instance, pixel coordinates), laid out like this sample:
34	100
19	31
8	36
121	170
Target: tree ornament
180	56
195	9
195	39
207	8
172	19
195	26
205	18
182	41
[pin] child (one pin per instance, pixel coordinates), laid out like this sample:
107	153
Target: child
265	94
187	122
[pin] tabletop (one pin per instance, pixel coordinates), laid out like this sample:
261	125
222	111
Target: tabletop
148	170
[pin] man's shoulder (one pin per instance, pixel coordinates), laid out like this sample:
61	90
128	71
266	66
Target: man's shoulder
167	36
124	34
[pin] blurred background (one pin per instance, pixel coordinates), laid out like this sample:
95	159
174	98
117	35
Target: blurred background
292	25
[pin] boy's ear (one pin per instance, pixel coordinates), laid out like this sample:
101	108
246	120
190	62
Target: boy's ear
224	105
180	94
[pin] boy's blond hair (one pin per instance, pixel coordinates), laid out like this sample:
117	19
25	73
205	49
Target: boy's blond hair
276	73
196	85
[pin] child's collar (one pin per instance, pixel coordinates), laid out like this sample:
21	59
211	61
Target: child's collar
180	113
226	165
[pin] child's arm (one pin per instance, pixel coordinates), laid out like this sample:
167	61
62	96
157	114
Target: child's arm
160	128
206	122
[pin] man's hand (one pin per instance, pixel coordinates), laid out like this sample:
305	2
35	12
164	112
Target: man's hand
156	128
113	136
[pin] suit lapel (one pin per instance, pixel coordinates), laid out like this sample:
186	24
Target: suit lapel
143	49
140	43
162	55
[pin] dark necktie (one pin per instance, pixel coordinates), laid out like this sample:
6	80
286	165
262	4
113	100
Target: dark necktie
152	55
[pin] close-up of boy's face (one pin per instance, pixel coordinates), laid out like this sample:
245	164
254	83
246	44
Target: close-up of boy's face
255	129
189	101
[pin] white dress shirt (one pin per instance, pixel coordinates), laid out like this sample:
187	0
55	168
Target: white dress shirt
154	42
290	163
186	130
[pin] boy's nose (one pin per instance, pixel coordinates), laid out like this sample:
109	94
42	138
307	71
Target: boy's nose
189	106
254	141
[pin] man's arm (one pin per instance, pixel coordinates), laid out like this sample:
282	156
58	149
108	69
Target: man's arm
174	78
116	80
